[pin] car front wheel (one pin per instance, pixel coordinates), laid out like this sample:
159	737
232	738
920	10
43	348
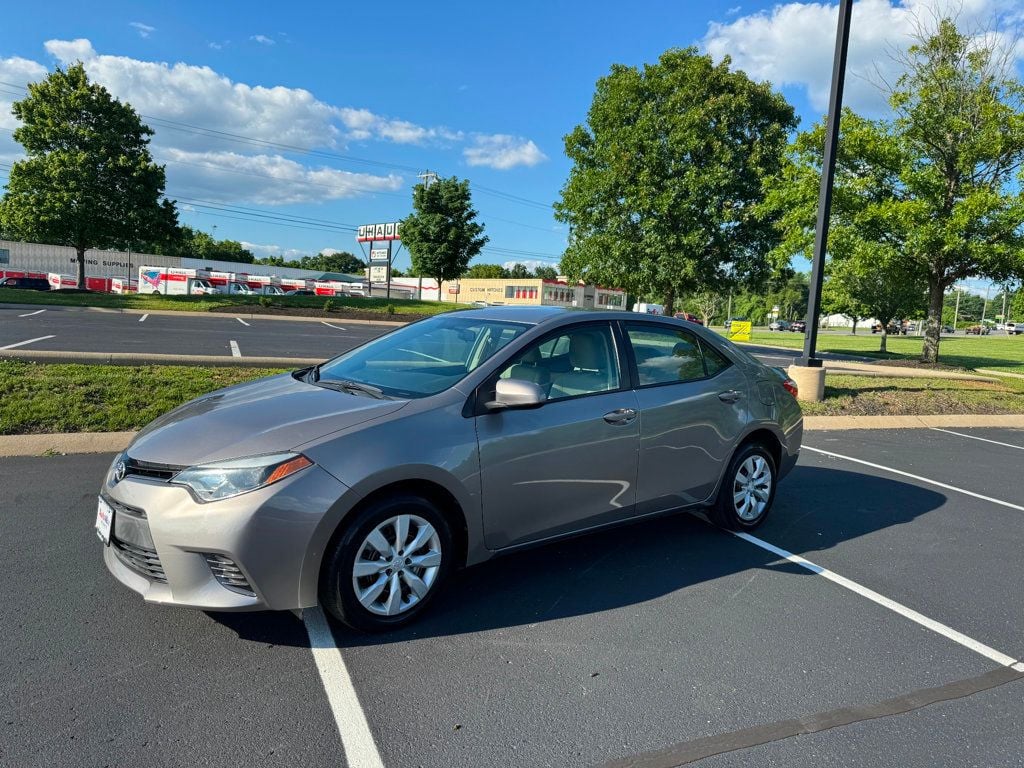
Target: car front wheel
388	564
747	491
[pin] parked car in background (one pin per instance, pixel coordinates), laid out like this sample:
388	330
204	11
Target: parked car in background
530	424
1014	329
688	317
948	329
798	326
300	292
893	329
26	283
977	330
779	325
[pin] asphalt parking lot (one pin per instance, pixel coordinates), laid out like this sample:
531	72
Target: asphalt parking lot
663	643
78	330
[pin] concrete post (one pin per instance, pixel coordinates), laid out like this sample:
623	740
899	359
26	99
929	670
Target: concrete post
810	382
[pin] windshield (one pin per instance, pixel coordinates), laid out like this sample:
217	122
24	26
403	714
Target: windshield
424	358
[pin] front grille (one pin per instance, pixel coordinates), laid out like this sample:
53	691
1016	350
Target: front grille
149	469
141	560
228	573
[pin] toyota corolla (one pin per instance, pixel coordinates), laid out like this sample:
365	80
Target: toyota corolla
360	484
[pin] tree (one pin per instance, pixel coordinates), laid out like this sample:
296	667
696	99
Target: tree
486	271
875	283
545	273
706	303
89	180
666	174
519	272
936	184
442	233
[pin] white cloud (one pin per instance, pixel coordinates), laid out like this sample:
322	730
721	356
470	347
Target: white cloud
261	251
263	179
263	40
502	151
531	264
214	46
16	72
144	30
793	43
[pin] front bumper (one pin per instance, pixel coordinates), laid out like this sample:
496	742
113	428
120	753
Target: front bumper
167	547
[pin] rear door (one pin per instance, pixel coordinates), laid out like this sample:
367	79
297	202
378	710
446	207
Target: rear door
570	464
693	410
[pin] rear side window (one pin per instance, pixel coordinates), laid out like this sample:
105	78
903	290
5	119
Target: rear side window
665	355
714	361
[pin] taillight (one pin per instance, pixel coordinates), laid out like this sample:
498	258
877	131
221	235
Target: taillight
790	386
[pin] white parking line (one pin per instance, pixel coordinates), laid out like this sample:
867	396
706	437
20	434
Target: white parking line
143	318
892	605
936	483
29	314
324	322
975	437
27	341
356	738
242	321
235	351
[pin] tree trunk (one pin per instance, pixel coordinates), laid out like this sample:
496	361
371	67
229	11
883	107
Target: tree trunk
933	325
707	319
885	336
854	318
81	266
670	302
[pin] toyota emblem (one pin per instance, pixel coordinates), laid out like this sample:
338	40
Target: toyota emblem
119	472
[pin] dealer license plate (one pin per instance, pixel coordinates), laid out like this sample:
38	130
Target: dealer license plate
104	521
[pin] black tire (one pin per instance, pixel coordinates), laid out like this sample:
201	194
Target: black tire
724	513
337	593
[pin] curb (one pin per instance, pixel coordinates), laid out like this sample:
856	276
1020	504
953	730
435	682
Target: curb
990	372
109	442
190	313
134	358
822	423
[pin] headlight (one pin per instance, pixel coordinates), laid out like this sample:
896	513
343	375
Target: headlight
210	482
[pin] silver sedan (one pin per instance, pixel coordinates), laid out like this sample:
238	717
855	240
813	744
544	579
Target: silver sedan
360	484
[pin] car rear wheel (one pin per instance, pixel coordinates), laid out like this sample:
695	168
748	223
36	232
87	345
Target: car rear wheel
388	564
747	491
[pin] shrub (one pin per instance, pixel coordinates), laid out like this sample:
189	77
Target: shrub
328	305
265	301
390	309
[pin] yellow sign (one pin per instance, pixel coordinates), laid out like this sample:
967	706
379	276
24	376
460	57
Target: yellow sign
739	330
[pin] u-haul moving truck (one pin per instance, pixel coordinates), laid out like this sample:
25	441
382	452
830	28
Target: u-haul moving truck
297	284
265	284
124	285
175	281
61	281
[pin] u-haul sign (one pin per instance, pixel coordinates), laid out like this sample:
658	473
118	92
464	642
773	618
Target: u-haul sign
368	233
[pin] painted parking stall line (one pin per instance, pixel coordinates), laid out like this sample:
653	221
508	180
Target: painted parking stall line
975	437
324	322
929	481
27	341
143	318
235	351
242	321
29	314
356	737
885	602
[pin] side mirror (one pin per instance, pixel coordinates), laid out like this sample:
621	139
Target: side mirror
516	393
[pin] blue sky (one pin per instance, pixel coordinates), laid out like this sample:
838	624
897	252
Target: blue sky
479	90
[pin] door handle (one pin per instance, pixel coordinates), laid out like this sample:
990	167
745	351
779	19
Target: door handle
620	416
730	396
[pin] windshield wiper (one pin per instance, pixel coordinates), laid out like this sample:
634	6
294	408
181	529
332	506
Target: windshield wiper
343	385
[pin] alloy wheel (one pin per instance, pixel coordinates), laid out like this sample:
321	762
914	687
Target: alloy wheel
396	565
752	487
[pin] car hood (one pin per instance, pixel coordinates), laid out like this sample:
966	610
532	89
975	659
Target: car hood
265	416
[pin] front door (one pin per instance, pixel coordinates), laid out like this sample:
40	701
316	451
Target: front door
571	463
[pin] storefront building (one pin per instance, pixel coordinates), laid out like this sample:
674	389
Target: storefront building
533	292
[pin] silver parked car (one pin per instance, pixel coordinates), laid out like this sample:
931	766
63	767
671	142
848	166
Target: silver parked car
362	483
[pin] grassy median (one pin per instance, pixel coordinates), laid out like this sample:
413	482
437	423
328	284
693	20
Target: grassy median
41	398
313	305
876	396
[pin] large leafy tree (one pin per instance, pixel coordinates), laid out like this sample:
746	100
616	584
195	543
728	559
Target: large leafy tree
442	233
545	273
491	271
666	174
89	180
935	191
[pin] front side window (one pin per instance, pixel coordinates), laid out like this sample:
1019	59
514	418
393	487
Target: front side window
423	358
665	355
581	361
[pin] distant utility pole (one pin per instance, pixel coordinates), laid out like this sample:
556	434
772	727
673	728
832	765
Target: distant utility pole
429	177
984	307
956	312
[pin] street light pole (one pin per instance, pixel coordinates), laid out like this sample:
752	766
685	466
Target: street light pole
828	169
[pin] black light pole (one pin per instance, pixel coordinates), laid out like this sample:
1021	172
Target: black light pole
828	170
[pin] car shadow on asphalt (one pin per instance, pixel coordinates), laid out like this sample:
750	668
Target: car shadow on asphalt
816	508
